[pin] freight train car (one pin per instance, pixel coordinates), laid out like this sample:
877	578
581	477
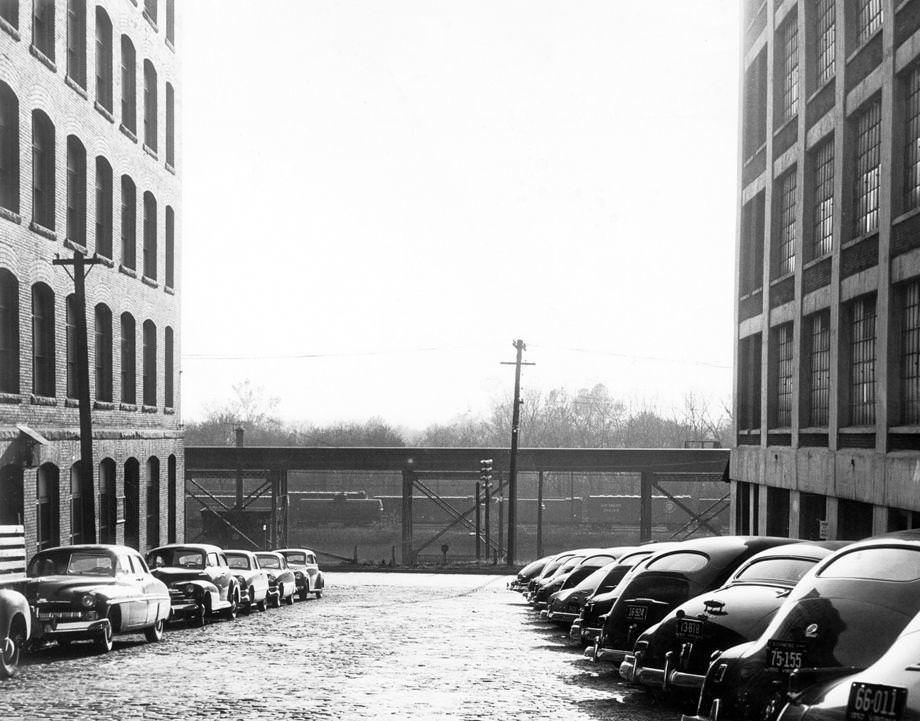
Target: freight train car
556	511
627	511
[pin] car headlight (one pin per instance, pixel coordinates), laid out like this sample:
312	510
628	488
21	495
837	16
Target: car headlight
241	580
298	574
271	576
189	590
87	600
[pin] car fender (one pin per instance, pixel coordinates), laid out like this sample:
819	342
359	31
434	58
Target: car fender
13	604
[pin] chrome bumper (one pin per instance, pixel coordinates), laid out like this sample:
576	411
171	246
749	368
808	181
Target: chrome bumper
561	616
52	629
600	654
544	614
184	607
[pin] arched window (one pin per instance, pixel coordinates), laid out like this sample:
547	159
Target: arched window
70	336
9	149
171	495
9	11
9	332
103	353
42	340
150	235
103	207
171	22
150	363
150	11
128	360
170	126
82	511
128	85
42	169
11	495
47	506
170	248
103	59
128	223
132	503
168	368
108	498
76	191
150	105
153	502
76	41
43	27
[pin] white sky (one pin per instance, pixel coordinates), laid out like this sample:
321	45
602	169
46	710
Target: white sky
403	187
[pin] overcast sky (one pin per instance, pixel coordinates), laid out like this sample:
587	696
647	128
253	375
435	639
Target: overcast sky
379	196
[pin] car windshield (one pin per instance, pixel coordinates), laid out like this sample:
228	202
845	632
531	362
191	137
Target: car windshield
295	557
776	570
176	558
63	562
237	560
269	562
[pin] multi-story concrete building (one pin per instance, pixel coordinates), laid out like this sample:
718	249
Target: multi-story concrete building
89	164
827	360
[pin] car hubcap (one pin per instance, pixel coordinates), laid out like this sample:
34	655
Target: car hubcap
9	650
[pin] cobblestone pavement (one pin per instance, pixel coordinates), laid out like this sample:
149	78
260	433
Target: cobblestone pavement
375	646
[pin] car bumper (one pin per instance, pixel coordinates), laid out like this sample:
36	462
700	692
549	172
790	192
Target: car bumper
539	605
184	608
562	616
66	629
602	654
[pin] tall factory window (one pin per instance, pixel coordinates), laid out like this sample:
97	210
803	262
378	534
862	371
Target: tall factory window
76	41
171	22
103	353
150	105
128	359
782	376
103	207
9	148
9	332
43	340
128	223
150	363
787	70
868	168
153	502
170	263
9	11
749	380
754	113
128	85
43	27
150	10
869	18
170	125
912	142
42	170
47	492
70	336
823	187
910	354
752	239
76	191
826	40
82	516
150	235
819	371
785	224
168	362
862	361
103	59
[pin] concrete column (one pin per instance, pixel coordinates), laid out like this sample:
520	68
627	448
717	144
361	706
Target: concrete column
831	518
879	520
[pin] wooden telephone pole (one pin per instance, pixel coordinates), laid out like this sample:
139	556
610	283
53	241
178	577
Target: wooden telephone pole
520	347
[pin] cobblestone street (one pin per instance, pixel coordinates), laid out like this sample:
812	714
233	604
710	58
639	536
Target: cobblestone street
375	646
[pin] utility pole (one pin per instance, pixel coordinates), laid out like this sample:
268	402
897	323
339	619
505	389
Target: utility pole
78	276
485	478
520	347
540	516
478	522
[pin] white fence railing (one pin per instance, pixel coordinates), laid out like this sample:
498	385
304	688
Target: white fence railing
12	550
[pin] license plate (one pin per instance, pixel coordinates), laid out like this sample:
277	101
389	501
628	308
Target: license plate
785	655
636	613
875	702
689	628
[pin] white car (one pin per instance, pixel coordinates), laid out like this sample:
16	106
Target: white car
306	571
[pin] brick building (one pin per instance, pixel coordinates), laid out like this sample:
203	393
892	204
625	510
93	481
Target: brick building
89	163
827	357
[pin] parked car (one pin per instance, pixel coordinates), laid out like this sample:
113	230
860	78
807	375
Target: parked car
841	617
281	582
666	580
552	583
307	576
531	570
15	629
564	604
199	580
550	568
93	592
888	689
676	652
587	627
251	577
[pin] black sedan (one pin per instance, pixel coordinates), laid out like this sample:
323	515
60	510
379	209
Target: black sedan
575	570
841	618
668	579
677	651
565	604
531	570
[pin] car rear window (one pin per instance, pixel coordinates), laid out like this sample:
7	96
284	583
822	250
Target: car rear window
295	557
881	563
597	561
269	561
683	562
237	560
777	570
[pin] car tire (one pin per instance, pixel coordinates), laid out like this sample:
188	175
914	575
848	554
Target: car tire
154	633
11	652
261	605
197	620
103	640
230	612
290	599
318	592
304	593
